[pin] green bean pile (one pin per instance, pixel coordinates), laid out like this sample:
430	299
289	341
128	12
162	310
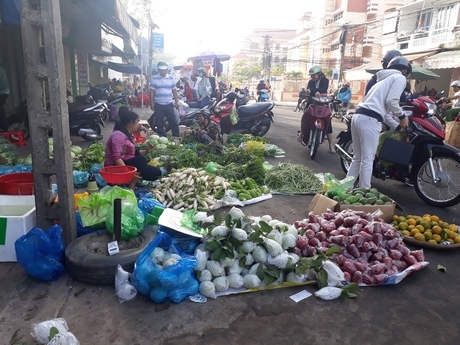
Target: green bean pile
292	179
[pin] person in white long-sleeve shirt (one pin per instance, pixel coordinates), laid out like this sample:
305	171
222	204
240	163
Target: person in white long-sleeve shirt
366	124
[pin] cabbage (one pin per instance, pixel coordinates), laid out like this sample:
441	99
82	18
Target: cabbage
72	155
154	137
76	149
27	160
163	140
161	147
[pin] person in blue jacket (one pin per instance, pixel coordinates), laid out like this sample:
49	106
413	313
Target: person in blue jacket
344	94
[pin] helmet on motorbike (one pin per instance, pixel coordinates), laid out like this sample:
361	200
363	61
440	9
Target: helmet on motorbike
261	81
315	69
389	56
400	63
455	83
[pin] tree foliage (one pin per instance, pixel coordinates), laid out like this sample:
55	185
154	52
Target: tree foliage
278	70
245	70
294	74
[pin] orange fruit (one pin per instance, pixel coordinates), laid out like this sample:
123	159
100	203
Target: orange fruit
451	234
410	227
426	219
427	215
420	228
414	231
411	221
434	218
425	225
395	218
453	227
419	237
436	230
457	239
437	238
403	226
444	225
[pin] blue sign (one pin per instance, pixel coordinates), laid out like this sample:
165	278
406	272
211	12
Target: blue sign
158	41
273	79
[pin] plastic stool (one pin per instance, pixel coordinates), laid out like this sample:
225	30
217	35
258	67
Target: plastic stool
19	140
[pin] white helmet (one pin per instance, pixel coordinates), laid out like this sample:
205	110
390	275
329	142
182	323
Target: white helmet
455	83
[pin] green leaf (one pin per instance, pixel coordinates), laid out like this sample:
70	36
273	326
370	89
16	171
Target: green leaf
228	220
212	245
322	278
255	236
234	242
217	218
333	250
217	255
441	268
350	287
260	272
242	262
228	254
53	332
443	234
272	271
265	227
346	294
198	275
238	223
268	280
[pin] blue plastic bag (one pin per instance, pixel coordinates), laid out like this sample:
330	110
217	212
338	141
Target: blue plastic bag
185	243
147	203
162	272
80	179
22	168
5	169
41	253
95	168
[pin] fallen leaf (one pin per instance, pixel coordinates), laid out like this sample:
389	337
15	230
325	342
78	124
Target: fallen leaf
441	268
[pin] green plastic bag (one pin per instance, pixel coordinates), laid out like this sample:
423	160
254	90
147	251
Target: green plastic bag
93	210
187	221
132	220
335	187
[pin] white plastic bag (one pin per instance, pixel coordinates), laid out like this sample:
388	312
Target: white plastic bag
124	290
64	338
41	331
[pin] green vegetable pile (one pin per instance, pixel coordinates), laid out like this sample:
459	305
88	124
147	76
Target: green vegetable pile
237	139
7	152
94	154
292	179
361	196
246	189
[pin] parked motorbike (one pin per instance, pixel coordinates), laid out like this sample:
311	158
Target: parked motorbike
18	122
86	121
433	165
100	91
87	101
315	122
188	119
255	118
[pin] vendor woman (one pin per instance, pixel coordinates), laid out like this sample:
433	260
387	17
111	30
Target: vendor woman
121	150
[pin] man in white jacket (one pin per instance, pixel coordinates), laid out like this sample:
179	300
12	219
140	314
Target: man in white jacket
366	124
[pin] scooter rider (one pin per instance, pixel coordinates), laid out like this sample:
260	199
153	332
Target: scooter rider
385	61
302	96
366	124
261	86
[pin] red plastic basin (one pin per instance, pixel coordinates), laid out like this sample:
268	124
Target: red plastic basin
118	174
17	184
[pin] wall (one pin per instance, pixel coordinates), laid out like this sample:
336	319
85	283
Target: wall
357	6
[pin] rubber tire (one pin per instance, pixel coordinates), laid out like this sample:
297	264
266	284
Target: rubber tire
342	162
452	202
97	269
15	126
317	137
96	128
263	132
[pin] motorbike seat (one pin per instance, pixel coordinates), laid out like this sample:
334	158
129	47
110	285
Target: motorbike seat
84	99
254	108
77	107
193	104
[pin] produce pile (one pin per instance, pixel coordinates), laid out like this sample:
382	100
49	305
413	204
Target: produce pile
242	251
427	228
360	196
190	189
83	160
292	179
371	251
8	153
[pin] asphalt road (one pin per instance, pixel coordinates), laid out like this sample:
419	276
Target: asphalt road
422	309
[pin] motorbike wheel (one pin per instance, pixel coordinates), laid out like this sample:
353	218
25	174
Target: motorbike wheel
261	130
348	146
19	127
317	137
96	129
446	191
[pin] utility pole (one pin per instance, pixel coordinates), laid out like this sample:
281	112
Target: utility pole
343	43
149	69
266	59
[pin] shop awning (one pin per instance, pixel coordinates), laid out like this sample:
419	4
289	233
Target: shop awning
124	68
447	59
359	73
416	56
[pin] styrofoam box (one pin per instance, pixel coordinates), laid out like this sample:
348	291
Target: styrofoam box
17	217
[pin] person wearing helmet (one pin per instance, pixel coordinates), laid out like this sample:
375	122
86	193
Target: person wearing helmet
302	96
344	94
385	61
366	124
203	89
162	91
452	113
261	86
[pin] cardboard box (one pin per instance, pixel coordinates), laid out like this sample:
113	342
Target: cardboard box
321	203
17	217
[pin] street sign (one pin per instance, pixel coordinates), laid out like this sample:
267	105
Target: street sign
273	79
158	42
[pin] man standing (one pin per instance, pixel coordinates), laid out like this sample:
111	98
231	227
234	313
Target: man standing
162	91
452	113
4	91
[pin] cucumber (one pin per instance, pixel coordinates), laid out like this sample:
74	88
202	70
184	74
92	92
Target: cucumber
336	198
345	202
344	196
353	199
379	202
363	201
375	192
388	203
358	204
370	195
372	200
384	198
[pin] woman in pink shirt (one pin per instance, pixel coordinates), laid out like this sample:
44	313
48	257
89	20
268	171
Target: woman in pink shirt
121	150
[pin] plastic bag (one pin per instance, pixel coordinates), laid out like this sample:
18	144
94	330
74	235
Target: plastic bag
167	277
147	203
187	221
95	168
64	338
81	230
41	331
41	253
22	168
132	220
124	290
255	147
183	108
80	179
234	116
185	243
334	187
5	169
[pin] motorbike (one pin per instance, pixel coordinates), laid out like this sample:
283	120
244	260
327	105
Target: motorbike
18	122
433	165
255	118
86	121
88	100
315	122
189	119
242	97
339	110
264	95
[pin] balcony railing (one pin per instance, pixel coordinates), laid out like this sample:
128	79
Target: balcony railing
425	40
